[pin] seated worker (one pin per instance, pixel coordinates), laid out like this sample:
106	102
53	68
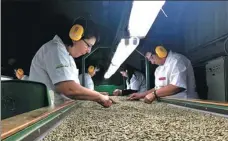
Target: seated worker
20	74
135	82
88	78
54	64
174	77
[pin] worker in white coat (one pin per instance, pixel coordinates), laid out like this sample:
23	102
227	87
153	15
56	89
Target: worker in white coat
92	70
135	82
174	77
88	77
54	64
20	74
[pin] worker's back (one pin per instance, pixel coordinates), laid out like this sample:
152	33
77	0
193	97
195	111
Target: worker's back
88	81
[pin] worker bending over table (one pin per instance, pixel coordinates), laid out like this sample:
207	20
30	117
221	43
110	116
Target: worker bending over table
92	70
174	77
135	82
19	73
54	63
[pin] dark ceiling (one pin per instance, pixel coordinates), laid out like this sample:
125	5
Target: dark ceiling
27	24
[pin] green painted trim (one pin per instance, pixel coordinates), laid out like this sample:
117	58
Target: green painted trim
107	88
196	103
49	97
28	130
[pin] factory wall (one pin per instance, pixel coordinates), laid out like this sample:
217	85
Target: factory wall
205	22
205	29
134	60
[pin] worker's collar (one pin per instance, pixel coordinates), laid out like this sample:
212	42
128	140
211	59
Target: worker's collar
168	58
58	39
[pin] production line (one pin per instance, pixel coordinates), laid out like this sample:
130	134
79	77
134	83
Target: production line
141	82
125	120
137	121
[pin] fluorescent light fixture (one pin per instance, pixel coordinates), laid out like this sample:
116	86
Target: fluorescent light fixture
143	15
111	70
124	49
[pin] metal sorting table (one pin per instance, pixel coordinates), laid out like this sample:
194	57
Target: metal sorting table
31	125
128	120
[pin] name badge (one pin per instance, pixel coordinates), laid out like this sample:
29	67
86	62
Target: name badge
162	78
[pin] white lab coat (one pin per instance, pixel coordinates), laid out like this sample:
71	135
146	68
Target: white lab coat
137	82
88	81
177	71
25	77
53	64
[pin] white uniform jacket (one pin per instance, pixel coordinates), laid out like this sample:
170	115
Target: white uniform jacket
88	81
25	77
137	82
177	71
53	64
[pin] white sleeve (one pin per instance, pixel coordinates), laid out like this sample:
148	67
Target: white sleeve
57	63
128	85
143	87
88	81
135	83
25	77
80	78
178	76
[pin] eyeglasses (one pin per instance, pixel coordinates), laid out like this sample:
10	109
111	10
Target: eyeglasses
88	45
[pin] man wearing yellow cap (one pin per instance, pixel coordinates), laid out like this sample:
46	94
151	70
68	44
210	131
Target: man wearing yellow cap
174	76
88	77
54	63
20	74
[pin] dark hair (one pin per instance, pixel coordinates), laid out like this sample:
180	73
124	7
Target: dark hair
130	71
90	29
64	26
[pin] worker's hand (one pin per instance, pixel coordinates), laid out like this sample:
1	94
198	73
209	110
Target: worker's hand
117	92
104	93
149	98
135	96
105	101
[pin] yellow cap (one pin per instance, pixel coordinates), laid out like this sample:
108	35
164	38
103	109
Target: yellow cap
161	51
20	71
76	32
91	69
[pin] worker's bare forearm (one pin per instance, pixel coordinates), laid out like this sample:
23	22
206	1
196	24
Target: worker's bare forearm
147	92
168	90
72	89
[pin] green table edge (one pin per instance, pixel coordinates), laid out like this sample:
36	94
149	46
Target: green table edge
195	103
28	130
